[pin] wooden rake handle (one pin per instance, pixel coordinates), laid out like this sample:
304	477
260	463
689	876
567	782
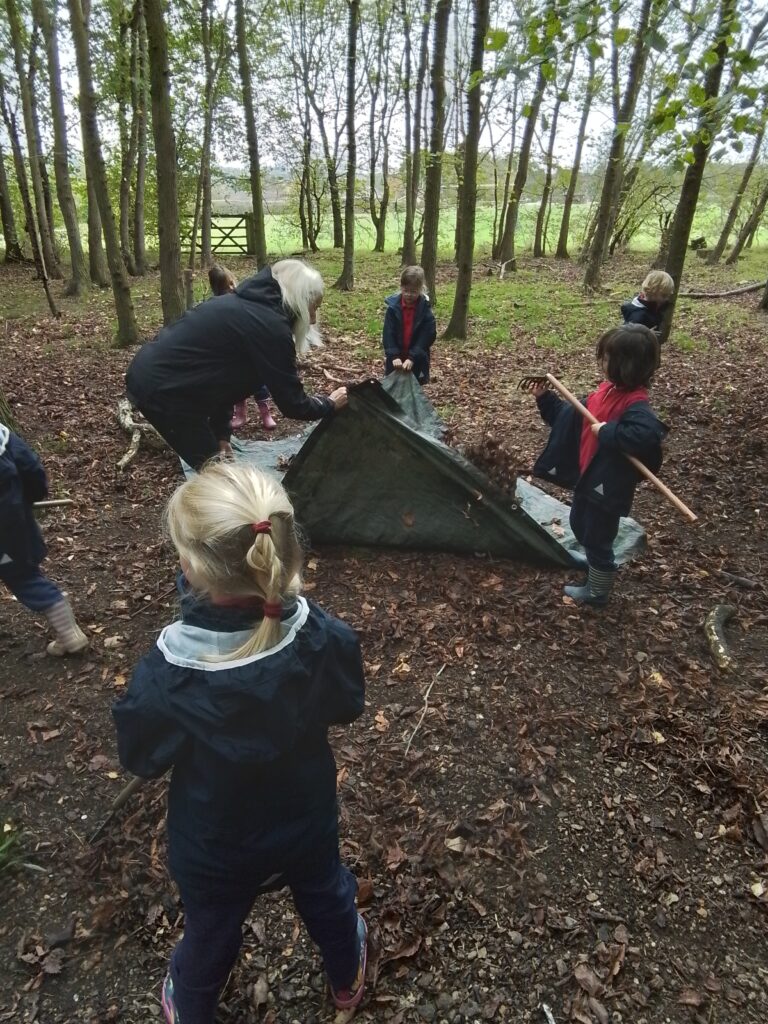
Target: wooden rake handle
642	469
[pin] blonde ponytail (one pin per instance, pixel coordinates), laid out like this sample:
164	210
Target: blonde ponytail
233	527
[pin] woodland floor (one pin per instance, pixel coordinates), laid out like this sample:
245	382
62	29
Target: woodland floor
580	819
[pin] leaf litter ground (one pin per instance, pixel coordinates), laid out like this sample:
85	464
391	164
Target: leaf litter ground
544	806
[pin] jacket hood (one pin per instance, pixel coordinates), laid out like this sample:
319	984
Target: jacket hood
4	435
204	631
393	301
261	287
636	303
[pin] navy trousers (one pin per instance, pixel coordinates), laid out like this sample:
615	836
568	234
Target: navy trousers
213	933
595	529
30	586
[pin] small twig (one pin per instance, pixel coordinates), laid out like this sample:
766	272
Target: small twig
54	503
740	581
606	915
424	709
148	604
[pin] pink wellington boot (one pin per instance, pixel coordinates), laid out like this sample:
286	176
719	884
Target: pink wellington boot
239	415
266	416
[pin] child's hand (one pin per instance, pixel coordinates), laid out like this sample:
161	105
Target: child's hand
596	428
225	450
408	364
397	364
538	390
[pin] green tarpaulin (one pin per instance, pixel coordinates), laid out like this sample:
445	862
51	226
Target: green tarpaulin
377	473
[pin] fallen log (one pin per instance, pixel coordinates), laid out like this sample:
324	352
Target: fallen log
714	630
723	295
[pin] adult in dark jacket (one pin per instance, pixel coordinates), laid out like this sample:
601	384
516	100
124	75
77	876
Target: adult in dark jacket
409	327
237	698
188	379
590	459
22	548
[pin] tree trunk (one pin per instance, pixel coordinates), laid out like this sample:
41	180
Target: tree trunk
507	247
434	166
715	255
171	289
140	102
612	179
43	226
127	61
127	333
749	227
13	253
710	121
29	213
79	281
546	195
565	223
457	327
412	180
55	271
764	299
257	194
346	280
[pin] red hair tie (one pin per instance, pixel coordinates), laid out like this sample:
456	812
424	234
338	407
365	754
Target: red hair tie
273	610
265	526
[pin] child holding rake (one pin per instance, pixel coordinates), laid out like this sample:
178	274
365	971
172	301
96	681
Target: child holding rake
590	458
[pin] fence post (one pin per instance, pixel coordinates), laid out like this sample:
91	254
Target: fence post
250	234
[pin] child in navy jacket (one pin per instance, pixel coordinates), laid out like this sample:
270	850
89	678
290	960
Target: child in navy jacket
237	698
22	549
649	306
409	327
590	457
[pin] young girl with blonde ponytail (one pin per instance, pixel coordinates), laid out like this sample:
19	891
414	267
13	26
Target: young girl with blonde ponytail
237	698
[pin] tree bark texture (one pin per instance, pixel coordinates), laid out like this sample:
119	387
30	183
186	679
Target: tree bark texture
414	127
171	289
507	245
43	228
13	252
612	179
80	279
346	280
127	332
434	163
457	327
257	193
710	120
140	103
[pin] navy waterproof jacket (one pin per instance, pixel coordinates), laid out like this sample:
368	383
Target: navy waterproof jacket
424	330
219	353
610	479
253	790
638	311
22	482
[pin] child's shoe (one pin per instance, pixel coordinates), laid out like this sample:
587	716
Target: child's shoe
596	590
167	1003
266	416
239	415
347	998
70	639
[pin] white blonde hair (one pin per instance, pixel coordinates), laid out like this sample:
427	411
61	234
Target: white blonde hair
211	519
302	286
658	286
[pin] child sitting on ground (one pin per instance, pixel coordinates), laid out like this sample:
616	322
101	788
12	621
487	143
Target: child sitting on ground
22	549
237	698
222	282
409	327
590	457
649	306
